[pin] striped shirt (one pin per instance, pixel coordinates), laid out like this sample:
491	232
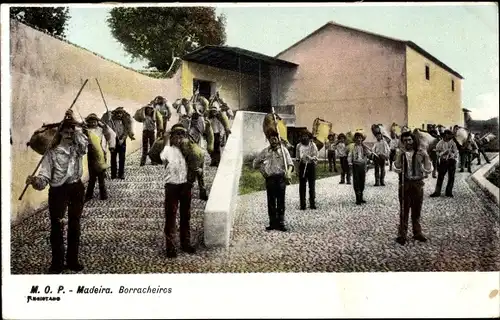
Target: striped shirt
310	150
447	150
341	150
381	148
63	164
359	155
270	162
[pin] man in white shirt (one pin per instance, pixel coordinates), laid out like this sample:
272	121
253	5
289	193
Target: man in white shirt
307	155
393	145
106	136
447	153
177	192
331	146
381	149
62	169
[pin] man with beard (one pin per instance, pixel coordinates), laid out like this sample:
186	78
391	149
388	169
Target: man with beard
412	164
276	166
62	169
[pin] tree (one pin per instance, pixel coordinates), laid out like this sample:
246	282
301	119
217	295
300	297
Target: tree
52	20
160	34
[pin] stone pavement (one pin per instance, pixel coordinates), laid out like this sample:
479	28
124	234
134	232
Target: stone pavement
125	233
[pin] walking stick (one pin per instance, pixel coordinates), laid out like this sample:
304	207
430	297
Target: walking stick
52	141
326	157
281	146
104	100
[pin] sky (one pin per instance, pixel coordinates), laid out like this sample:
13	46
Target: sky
464	37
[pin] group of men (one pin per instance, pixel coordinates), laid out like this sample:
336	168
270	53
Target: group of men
62	170
404	154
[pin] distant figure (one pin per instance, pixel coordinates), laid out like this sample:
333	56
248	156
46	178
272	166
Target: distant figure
331	146
358	160
161	104
447	152
218	129
148	132
480	146
307	156
271	162
393	145
412	164
468	149
341	152
62	169
382	150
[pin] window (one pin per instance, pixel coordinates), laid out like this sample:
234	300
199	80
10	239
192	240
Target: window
452	85
427	73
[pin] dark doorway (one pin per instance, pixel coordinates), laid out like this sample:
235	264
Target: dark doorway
205	87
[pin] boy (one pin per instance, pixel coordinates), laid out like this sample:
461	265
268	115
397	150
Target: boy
358	160
271	162
177	193
307	155
381	150
62	169
412	164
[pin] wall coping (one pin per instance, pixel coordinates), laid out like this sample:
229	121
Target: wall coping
480	178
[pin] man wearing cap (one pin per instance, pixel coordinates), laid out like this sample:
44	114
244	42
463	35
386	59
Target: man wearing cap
148	132
307	155
62	169
331	146
161	104
99	128
447	152
358	160
382	150
271	162
218	130
117	123
341	152
177	192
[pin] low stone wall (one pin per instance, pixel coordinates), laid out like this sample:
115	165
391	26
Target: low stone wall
480	178
246	140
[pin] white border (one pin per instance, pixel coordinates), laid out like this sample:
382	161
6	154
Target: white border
239	295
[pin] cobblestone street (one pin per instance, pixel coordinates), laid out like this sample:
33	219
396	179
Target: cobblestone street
124	234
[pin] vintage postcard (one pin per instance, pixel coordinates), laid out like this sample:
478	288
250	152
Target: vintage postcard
250	160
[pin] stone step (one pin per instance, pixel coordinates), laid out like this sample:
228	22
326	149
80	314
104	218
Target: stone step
130	212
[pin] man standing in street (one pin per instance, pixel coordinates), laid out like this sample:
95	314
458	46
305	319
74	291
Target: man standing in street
276	166
412	164
307	155
381	149
447	153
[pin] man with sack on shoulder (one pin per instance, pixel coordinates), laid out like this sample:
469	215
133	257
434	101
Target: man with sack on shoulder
62	169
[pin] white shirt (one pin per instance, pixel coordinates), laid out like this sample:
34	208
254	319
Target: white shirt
176	168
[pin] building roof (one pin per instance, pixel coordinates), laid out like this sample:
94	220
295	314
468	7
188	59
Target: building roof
235	59
410	44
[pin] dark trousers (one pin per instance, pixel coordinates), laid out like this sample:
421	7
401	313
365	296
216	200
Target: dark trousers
94	177
446	167
119	151
148	138
308	178
346	172
392	157
465	160
481	152
201	185
359	178
435	162
177	196
331	161
379	170
276	190
215	155
411	196
70	196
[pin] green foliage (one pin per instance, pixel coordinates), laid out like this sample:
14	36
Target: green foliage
251	180
52	20
158	34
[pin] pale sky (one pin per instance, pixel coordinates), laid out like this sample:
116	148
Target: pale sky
465	37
